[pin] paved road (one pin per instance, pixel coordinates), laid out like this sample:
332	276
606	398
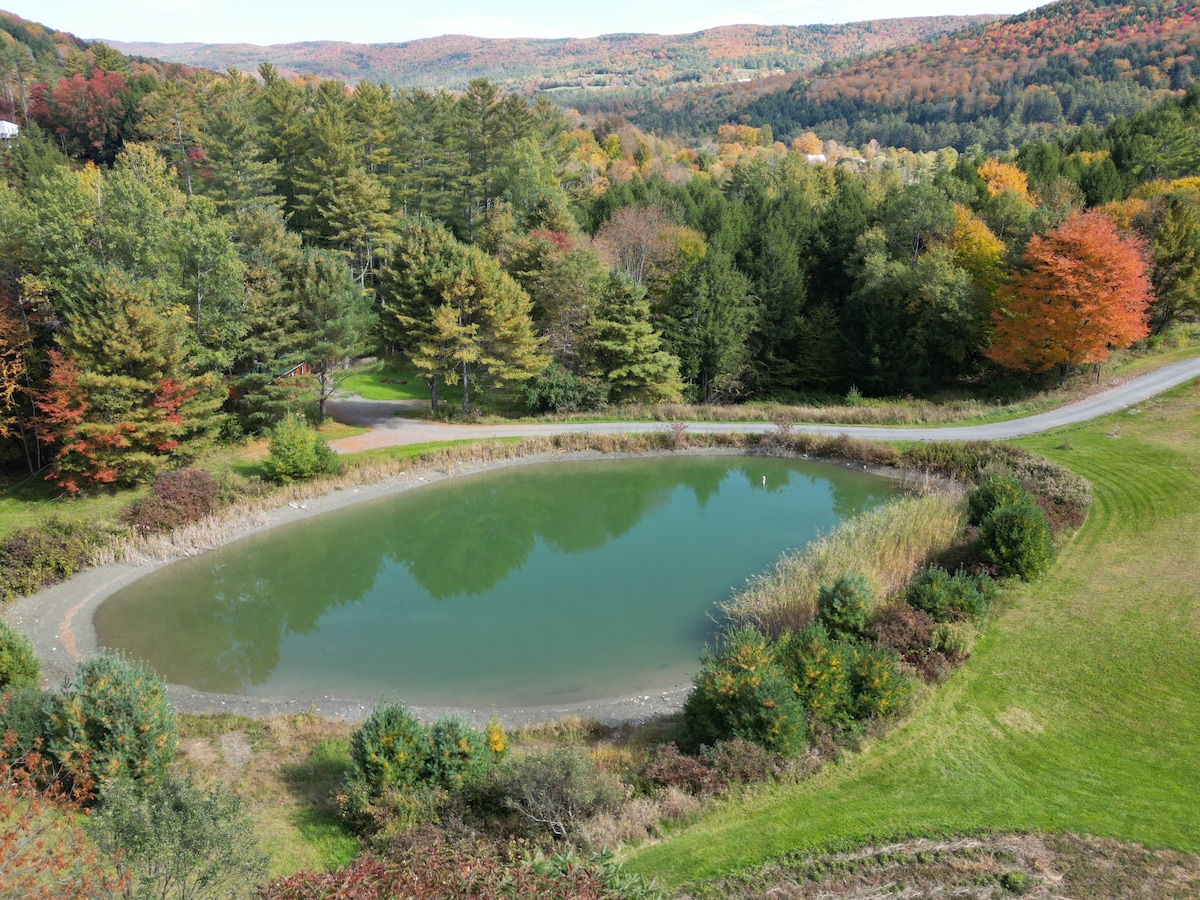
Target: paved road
388	429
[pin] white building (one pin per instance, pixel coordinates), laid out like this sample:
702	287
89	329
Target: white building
9	130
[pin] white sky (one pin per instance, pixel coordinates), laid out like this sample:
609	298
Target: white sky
386	21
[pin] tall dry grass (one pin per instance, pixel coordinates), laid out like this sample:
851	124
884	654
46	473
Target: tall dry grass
886	545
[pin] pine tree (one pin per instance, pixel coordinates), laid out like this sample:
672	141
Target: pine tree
121	402
456	314
234	168
335	317
1175	254
626	350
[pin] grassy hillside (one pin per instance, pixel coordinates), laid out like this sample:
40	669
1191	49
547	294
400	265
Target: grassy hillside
1079	711
613	61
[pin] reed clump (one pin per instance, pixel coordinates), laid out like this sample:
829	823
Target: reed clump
885	545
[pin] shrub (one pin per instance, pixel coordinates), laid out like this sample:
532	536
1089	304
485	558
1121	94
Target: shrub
114	720
496	739
455	753
176	498
37	557
44	851
469	870
843	607
1062	495
297	453
22	722
880	689
1015	539
953	640
946	598
961	460
741	691
559	390
819	671
19	666
992	492
741	762
671	768
909	633
177	840
557	789
388	749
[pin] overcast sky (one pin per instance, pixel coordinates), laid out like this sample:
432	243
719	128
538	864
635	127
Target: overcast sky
386	21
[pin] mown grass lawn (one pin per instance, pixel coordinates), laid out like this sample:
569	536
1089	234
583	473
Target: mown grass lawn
1080	710
390	378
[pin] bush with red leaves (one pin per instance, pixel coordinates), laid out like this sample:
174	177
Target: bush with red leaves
176	498
431	867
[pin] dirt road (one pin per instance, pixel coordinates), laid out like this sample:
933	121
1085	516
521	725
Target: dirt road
389	429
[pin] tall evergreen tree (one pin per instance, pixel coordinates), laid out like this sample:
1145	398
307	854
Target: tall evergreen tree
707	323
456	314
625	349
121	400
335	316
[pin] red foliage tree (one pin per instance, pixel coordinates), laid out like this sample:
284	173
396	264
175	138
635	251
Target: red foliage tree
85	113
1085	291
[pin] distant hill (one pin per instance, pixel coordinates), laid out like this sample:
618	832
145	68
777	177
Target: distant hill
1029	76
613	62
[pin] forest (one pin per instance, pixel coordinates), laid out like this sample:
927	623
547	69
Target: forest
188	257
191	259
1029	77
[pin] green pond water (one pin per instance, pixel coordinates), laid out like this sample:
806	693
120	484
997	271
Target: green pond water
531	585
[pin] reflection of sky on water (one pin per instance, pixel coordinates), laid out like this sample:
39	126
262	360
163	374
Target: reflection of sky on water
577	579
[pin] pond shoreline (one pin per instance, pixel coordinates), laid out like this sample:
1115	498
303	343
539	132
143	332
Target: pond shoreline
59	619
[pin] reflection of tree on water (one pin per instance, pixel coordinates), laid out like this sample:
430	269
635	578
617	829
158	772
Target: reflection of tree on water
475	531
461	537
233	607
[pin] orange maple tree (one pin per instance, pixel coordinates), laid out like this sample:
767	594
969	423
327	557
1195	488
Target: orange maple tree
1085	291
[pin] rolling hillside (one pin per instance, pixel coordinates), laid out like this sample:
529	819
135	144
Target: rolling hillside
614	61
1029	76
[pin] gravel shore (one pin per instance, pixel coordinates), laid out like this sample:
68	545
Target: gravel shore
59	622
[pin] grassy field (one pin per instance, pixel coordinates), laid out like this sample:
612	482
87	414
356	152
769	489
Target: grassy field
1079	711
387	379
33	501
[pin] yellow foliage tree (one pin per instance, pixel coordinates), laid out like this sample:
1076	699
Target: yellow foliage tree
1000	177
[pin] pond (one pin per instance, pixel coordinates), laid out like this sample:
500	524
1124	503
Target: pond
528	585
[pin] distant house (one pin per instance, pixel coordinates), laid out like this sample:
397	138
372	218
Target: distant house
295	371
8	130
815	158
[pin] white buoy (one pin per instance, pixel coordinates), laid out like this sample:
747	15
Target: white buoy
764	481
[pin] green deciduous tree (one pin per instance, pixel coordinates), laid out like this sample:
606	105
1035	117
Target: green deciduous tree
176	841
